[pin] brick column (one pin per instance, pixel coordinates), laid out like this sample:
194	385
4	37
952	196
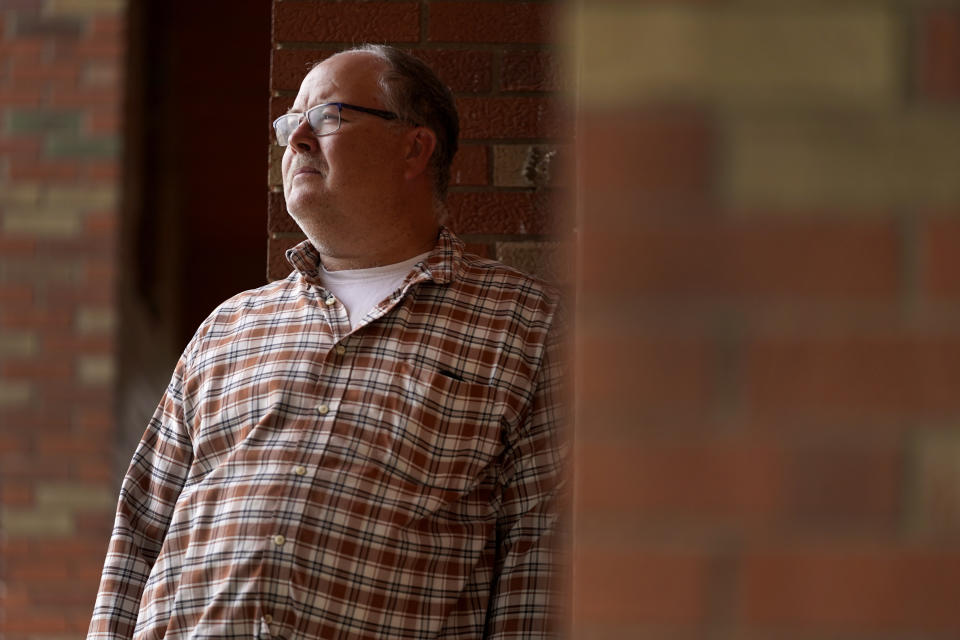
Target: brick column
768	433
60	67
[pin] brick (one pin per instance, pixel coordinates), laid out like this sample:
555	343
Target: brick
82	196
16	293
278	220
853	376
14	393
462	71
101	74
275	176
20	194
878	162
42	120
499	212
37	370
81	147
74	497
939	56
36	523
655	153
277	265
83	8
521	117
27	25
537	166
739	55
652	586
95	370
849	589
346	22
17	343
744	259
861	485
677	377
549	261
491	22
469	166
736	480
940	267
530	71
95	320
42	222
289	66
47	171
935	490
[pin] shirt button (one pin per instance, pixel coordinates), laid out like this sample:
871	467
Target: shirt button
279	540
330	301
340	349
323	409
268	618
300	470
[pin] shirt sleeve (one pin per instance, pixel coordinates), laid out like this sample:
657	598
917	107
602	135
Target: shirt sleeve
148	494
526	591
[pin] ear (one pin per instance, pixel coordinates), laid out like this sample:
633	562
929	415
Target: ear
420	143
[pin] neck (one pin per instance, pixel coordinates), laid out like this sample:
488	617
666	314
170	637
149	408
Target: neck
366	257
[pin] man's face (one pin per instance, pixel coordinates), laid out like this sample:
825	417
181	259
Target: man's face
332	183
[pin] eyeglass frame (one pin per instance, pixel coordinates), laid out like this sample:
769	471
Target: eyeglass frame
380	113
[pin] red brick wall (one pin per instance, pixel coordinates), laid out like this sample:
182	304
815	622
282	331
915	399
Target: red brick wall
500	60
768	360
60	91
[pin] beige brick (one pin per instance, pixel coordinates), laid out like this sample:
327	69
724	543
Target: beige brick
14	393
20	195
17	343
42	221
95	370
524	165
785	54
546	260
40	523
276	172
95	320
72	497
936	499
82	7
81	197
866	162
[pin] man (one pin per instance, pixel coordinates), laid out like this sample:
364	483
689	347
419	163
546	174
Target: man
371	447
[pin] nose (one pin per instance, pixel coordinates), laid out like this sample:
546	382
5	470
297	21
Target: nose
302	138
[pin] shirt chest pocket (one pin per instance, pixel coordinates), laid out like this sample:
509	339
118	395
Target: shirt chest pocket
430	437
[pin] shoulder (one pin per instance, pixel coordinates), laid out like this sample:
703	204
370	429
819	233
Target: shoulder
495	281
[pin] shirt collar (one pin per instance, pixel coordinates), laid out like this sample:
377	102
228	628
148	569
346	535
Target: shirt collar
440	266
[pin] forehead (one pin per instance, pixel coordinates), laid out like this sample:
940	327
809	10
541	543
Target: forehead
346	77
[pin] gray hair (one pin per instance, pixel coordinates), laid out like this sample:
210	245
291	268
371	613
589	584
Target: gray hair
414	92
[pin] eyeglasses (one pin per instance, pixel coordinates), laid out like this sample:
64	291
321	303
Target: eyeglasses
323	119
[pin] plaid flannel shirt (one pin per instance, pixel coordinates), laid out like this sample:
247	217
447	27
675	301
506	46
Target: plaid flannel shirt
299	480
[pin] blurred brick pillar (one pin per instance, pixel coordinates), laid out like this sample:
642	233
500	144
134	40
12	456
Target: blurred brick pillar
768	433
60	96
500	61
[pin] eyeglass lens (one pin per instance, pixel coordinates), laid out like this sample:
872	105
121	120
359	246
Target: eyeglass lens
323	120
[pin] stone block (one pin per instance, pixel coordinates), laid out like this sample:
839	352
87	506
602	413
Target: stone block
546	260
70	146
17	343
936	485
95	320
95	370
527	165
855	161
36	523
14	393
82	7
42	221
787	55
20	121
73	497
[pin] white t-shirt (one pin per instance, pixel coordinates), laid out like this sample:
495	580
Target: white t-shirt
360	290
